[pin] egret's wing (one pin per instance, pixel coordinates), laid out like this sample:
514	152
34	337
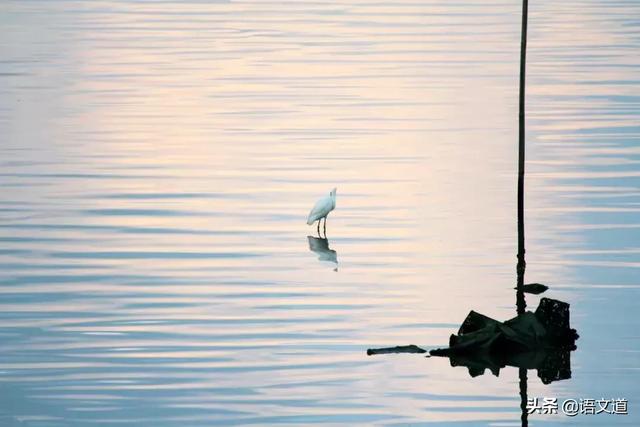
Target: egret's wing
320	209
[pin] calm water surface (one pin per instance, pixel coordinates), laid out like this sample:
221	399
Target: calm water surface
158	160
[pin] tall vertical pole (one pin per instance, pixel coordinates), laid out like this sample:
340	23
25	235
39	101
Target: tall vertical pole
521	148
520	302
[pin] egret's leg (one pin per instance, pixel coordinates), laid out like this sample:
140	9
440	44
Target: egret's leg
319	226
325	227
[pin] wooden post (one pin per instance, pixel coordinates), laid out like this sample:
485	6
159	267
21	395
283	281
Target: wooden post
521	156
520	302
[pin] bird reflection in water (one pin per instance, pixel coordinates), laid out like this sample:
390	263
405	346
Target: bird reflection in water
320	246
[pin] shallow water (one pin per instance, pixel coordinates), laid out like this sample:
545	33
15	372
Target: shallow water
158	160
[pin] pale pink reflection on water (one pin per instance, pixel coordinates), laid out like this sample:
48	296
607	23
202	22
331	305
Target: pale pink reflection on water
159	160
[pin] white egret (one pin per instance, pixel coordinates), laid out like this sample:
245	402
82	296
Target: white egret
321	209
